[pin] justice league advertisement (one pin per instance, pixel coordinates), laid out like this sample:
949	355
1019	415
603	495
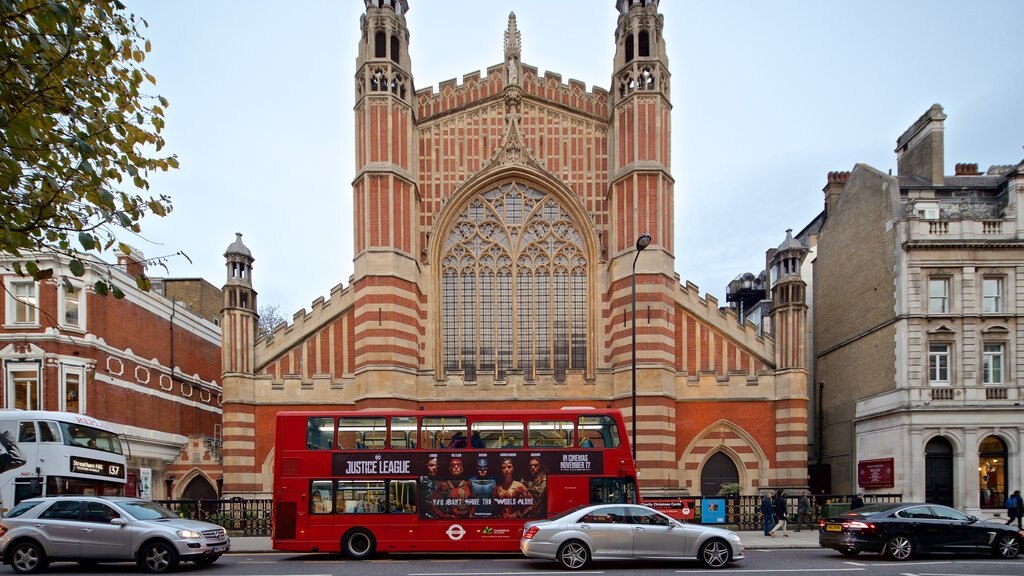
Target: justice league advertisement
492	484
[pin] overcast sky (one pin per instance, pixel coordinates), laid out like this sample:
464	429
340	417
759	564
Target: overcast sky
769	96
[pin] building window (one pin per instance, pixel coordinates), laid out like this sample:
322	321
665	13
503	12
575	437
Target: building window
72	306
938	364
992	472
938	296
992	364
22	302
24	390
992	295
72	388
514	286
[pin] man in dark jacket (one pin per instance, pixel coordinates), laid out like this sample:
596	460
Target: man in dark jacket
856	502
767	513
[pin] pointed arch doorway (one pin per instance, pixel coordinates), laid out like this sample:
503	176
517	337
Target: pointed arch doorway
718	470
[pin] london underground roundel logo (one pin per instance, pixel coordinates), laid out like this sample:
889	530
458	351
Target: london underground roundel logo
456	532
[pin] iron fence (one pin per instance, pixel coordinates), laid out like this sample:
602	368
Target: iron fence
252	517
239	516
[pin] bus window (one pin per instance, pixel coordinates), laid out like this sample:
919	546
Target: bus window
319	433
551	434
601	431
402	496
320	500
403	432
27	432
504	434
361	432
75	435
360	496
439	431
612	491
49	431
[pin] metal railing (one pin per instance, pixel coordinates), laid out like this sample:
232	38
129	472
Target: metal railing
238	516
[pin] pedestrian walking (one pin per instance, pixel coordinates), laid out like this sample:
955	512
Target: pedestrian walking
781	513
856	502
1015	509
767	513
803	511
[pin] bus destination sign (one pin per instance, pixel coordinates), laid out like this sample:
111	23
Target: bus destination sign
97	468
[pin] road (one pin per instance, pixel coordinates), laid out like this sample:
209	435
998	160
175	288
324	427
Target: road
786	562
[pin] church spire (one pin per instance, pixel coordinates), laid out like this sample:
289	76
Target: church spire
512	51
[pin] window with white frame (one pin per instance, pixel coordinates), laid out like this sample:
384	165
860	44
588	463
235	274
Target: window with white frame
991	295
24	387
992	364
72	388
938	295
22	302
938	363
72	306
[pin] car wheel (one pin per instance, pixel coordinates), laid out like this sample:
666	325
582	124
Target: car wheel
714	553
27	557
1007	546
574	555
358	544
206	560
849	551
899	547
158	557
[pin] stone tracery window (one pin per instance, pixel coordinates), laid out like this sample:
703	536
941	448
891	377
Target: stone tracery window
514	287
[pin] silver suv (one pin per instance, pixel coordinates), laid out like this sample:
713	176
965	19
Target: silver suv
94	529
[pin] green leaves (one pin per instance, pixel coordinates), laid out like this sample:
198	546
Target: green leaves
77	137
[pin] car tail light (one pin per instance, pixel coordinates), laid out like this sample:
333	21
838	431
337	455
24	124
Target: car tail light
530	533
858	525
3	530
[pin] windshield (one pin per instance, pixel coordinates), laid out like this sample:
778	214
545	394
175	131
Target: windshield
86	437
146	510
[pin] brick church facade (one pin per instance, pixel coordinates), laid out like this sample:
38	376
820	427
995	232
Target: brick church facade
496	223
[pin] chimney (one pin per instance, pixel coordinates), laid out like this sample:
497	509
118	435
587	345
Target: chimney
133	263
832	189
919	151
966	169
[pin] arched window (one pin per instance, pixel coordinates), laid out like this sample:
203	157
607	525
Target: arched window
629	48
379	44
394	48
645	44
992	472
514	287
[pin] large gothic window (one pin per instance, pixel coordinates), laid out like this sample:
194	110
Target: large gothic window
514	287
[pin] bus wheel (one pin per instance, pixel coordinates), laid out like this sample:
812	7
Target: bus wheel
358	544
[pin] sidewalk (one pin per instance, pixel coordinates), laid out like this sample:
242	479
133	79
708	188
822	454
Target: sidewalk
753	540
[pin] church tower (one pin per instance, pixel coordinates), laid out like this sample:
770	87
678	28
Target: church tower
238	337
386	203
640	201
789	323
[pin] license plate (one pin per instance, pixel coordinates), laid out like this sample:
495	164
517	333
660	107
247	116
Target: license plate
219	548
833	527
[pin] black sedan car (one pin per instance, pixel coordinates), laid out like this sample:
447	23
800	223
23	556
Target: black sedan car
902	530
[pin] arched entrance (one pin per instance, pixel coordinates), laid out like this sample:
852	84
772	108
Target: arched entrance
718	470
938	471
992	472
199	488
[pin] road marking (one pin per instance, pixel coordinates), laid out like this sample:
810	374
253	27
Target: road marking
774	570
530	572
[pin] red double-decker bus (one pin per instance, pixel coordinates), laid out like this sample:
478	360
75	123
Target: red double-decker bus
439	481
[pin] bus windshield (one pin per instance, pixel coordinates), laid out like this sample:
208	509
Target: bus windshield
86	437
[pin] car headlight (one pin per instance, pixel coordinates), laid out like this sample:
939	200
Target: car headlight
184	533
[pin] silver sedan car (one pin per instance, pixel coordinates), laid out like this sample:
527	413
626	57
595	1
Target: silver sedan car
626	531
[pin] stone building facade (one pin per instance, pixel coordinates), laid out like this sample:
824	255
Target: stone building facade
918	292
496	223
146	363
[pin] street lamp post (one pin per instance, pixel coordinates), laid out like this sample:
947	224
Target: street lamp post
643	241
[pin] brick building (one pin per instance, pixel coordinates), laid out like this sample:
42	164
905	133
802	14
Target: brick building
146	363
496	225
918	293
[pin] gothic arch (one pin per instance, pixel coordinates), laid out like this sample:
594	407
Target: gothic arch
195	485
482	194
731	439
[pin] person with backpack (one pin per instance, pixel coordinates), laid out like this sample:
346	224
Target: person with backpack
1015	509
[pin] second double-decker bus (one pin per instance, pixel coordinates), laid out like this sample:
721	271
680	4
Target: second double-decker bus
439	481
43	453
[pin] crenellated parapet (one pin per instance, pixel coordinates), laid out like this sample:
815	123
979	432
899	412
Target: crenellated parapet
452	96
725	321
305	325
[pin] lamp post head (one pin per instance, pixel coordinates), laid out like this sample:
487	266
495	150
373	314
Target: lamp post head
643	241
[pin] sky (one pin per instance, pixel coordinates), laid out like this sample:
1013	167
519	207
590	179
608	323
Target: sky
768	97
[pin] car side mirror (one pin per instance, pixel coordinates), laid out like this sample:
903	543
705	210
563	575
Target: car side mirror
972	519
118	521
